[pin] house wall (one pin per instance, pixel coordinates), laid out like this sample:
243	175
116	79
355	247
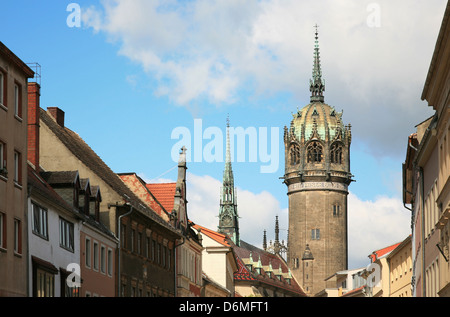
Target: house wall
50	250
95	281
13	133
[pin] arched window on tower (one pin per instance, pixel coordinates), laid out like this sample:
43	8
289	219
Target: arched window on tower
314	152
295	154
336	153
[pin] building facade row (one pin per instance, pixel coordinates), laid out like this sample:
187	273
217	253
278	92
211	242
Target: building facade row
426	177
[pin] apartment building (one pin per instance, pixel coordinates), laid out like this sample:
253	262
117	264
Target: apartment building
14	75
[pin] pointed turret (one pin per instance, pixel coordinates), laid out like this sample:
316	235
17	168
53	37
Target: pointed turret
317	84
228	213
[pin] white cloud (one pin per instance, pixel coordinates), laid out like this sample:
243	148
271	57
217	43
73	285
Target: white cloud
257	211
373	225
211	49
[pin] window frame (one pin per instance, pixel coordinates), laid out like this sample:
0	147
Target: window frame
43	289
314	152
17	236
87	253
17	167
3	159
95	264
110	262
315	234
336	153
103	259
66	234
2	89
18	107
42	230
2	231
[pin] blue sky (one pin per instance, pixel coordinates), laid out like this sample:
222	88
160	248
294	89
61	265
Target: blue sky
136	70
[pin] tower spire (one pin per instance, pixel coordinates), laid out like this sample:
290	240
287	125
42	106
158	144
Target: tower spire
317	84
228	214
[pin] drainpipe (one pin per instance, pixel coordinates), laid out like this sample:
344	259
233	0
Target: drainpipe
119	283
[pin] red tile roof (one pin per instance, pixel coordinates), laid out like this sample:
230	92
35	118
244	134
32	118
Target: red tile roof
218	237
164	193
379	253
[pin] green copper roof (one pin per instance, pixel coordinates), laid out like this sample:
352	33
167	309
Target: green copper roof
317	120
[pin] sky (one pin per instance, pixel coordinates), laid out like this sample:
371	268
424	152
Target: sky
139	78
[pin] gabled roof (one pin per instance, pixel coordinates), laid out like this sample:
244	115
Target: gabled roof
266	262
379	253
75	144
164	193
214	235
139	187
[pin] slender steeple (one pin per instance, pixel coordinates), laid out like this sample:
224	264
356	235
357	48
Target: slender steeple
228	213
317	84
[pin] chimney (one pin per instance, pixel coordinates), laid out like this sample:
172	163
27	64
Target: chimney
34	93
57	114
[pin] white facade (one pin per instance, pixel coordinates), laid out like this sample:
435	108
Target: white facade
46	243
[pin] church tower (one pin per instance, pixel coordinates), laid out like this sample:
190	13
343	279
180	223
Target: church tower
317	175
228	213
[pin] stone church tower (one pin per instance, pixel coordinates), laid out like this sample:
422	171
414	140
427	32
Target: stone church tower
228	213
317	175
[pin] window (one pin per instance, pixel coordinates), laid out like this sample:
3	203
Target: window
336	210
17	100
39	220
133	233
147	249
95	256
45	284
17	167
3	159
17	236
315	234
103	259
2	231
295	154
66	234
110	262
123	235
2	80
153	250
3	89
336	153
315	152
87	251
139	241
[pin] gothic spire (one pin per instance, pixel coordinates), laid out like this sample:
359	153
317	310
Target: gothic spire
317	84
228	213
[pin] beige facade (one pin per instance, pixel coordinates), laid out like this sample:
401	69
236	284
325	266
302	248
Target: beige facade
436	93
427	178
400	269
14	74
